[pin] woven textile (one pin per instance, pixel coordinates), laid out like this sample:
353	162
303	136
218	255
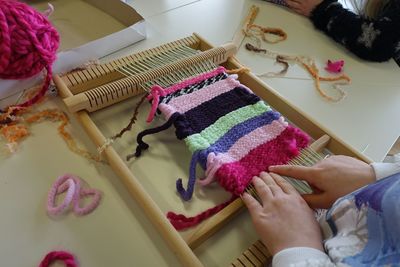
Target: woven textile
231	132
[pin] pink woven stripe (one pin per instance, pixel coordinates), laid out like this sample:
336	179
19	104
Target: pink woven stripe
235	176
188	82
157	91
186	102
242	147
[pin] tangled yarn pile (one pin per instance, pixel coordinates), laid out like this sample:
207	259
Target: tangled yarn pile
28	45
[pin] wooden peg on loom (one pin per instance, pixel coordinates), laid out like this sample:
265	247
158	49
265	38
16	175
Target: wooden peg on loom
213	224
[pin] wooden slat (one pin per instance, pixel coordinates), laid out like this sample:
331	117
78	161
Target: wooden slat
107	72
256	255
131	84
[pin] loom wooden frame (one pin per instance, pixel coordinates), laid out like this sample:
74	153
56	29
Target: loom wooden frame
183	248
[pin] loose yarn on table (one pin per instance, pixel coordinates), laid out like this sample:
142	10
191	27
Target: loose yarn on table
307	63
66	257
259	34
28	45
18	129
72	185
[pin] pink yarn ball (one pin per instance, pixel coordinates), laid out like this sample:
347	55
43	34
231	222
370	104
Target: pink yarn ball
28	44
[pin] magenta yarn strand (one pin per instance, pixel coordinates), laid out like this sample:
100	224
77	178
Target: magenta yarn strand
28	45
66	257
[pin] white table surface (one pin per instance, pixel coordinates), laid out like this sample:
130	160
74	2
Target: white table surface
118	233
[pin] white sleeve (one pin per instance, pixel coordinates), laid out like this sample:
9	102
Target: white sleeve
301	256
384	169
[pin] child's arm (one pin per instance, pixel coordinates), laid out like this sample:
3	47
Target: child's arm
376	40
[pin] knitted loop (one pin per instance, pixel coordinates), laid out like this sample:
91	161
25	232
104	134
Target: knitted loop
96	196
71	184
64	256
63	183
28	44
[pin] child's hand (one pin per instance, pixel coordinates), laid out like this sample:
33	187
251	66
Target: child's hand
283	219
303	7
331	178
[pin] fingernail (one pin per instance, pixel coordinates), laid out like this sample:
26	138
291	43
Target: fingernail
270	168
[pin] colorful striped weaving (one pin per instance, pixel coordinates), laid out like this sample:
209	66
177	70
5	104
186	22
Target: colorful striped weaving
230	131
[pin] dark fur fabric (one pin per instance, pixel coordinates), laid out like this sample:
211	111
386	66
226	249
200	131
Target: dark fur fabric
371	39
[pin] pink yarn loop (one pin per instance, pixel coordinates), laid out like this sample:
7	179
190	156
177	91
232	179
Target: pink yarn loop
71	184
64	256
62	184
28	44
212	167
155	93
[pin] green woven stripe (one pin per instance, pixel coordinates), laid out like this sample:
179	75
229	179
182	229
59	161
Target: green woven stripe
212	133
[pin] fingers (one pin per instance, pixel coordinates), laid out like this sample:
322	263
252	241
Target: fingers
296	172
283	184
252	204
270	182
263	190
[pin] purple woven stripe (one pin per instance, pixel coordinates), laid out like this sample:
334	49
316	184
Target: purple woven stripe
227	140
202	116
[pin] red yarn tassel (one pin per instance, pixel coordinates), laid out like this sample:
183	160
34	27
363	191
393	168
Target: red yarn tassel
181	222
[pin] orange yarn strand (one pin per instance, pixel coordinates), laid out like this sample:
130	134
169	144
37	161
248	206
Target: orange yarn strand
56	115
16	128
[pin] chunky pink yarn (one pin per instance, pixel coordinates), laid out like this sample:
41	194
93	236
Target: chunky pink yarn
64	256
28	44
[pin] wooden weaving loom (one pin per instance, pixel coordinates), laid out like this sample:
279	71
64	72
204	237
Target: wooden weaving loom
104	85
